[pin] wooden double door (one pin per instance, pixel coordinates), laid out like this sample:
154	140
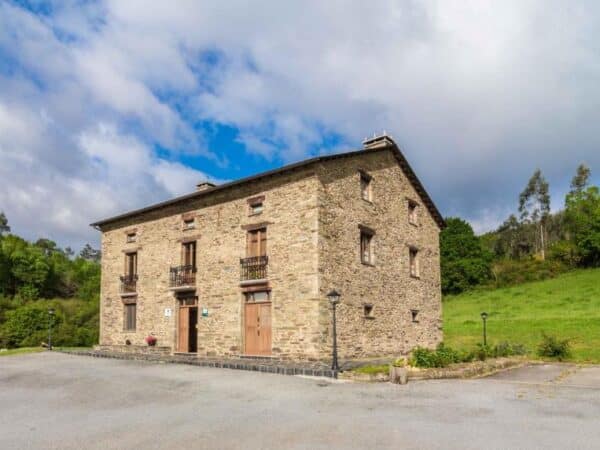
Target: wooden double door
187	336
257	319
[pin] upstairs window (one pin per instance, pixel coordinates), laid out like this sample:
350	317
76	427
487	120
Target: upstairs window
255	205
131	264
413	215
189	223
365	186
413	257
256	244
188	257
368	311
366	247
131	237
256	208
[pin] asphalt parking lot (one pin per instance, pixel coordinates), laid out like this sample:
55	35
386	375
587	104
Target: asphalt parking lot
57	401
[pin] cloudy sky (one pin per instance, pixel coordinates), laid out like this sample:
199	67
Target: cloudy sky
112	105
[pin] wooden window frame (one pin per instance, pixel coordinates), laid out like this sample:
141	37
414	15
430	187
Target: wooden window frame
258	247
188	253
131	263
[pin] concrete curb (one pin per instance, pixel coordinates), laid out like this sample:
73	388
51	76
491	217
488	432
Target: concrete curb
275	367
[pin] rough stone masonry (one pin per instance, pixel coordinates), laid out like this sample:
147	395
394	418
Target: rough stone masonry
319	223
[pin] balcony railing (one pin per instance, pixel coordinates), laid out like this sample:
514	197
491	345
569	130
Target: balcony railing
128	284
254	268
182	276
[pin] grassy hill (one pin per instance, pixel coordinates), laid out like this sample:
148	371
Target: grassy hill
567	307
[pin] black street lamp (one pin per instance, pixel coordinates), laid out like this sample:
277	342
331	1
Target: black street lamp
484	317
334	299
50	324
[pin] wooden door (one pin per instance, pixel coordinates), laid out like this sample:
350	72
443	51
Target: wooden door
184	330
258	329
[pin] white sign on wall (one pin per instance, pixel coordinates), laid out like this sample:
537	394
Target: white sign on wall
168	312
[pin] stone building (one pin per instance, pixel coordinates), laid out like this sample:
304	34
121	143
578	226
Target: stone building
244	268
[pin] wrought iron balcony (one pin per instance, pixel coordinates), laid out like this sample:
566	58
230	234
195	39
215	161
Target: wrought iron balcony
128	284
182	276
254	268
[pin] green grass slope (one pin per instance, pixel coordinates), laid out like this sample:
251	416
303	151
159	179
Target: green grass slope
567	307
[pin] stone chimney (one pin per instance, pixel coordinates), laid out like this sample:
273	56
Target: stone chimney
378	141
205	185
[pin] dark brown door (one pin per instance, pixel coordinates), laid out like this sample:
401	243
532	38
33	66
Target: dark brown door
258	329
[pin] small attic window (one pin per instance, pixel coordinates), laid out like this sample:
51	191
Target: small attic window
256	208
256	205
189	223
368	311
131	237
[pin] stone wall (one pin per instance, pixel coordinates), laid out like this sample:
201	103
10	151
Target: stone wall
291	211
313	215
387	284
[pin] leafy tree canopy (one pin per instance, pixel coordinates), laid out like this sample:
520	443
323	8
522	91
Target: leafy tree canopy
464	260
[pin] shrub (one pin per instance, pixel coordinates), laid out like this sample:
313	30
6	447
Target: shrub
441	357
552	347
504	349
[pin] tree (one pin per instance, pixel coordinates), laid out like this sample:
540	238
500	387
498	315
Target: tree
464	260
90	254
580	180
4	228
534	205
583	220
47	246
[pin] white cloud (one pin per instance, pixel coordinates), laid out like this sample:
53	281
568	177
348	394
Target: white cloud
477	93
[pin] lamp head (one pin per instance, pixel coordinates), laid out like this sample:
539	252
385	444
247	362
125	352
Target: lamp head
333	296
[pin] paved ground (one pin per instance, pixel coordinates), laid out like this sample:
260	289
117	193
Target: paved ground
62	401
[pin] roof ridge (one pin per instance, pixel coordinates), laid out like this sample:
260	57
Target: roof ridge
394	147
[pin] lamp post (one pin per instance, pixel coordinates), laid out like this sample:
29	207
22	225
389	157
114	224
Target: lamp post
484	317
50	324
334	299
